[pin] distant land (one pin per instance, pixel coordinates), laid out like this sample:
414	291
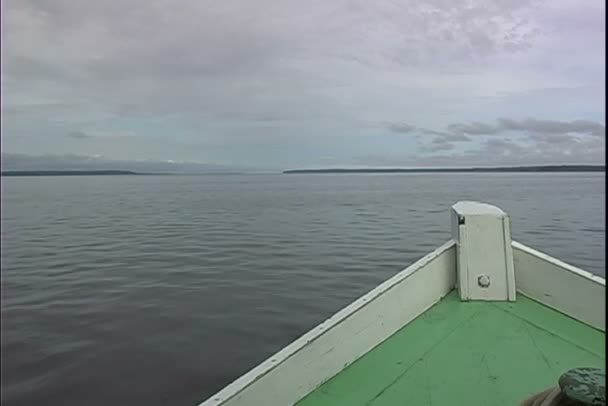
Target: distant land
12	162
68	173
106	172
545	168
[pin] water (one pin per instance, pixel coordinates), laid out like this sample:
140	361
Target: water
161	290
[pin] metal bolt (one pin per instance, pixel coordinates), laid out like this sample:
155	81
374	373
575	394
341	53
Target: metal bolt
483	281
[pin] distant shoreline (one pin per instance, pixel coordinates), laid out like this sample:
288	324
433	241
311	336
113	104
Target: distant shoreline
515	169
519	169
108	172
69	173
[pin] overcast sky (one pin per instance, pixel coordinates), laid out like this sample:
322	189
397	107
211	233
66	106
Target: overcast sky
317	83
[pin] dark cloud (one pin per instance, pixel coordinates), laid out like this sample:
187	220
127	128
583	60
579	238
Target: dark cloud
494	151
551	126
426	131
542	133
444	142
401	128
530	125
475	128
451	136
532	141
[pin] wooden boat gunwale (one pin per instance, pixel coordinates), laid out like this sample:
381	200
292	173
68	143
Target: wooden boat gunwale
299	368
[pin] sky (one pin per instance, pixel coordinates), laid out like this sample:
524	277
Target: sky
278	84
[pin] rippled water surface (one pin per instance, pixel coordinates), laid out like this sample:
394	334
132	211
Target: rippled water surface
159	290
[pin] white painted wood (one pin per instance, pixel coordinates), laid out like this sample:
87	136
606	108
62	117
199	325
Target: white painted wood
470	208
563	287
509	266
484	257
292	373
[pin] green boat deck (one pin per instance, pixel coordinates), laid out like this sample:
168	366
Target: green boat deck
467	353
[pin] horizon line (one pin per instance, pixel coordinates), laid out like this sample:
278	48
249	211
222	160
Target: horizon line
520	168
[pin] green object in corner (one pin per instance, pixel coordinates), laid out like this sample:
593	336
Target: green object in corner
586	385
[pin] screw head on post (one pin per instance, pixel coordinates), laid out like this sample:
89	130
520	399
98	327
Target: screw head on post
483	281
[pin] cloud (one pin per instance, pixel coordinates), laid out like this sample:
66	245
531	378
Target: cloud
475	128
529	130
222	56
449	135
426	131
539	149
401	128
460	131
530	125
552	127
265	82
521	141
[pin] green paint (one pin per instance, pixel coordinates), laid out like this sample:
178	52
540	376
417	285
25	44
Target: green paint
476	353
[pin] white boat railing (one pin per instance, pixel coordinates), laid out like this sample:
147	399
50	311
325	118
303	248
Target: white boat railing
561	286
481	261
